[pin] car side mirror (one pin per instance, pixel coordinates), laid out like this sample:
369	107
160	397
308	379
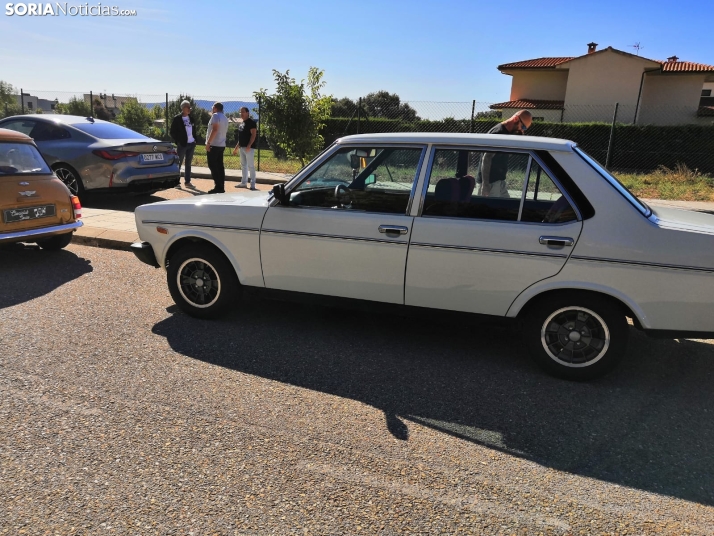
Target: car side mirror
280	195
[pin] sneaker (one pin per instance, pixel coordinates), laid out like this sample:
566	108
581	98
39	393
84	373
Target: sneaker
241	185
214	191
190	185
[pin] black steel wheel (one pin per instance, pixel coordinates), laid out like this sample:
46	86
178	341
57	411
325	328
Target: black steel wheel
69	177
55	243
577	336
201	280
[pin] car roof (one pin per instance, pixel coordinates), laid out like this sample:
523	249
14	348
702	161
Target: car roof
13	135
445	138
59	118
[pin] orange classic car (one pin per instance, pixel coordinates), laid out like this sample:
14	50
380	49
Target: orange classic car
35	206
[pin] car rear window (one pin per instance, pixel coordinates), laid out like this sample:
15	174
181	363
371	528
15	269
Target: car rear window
21	158
109	131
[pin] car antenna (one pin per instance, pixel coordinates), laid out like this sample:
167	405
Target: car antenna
90	119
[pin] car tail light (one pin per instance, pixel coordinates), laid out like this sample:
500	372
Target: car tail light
76	207
172	151
108	154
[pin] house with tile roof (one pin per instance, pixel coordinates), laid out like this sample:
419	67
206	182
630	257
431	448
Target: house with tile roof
586	88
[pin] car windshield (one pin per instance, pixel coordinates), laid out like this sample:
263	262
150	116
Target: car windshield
21	158
109	131
632	198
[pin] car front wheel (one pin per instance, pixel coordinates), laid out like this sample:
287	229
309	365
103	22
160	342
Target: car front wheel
202	282
576	336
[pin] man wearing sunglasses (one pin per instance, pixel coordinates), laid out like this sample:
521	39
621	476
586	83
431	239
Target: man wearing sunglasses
494	166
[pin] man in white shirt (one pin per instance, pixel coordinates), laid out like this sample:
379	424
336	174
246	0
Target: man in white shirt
215	146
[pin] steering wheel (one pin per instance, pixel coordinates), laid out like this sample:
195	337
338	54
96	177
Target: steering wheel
556	209
340	192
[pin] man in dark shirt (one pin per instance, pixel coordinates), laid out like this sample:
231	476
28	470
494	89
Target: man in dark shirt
183	132
247	133
494	166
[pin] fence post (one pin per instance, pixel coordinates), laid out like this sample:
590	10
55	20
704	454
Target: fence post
473	109
22	100
166	119
91	104
359	113
257	135
612	138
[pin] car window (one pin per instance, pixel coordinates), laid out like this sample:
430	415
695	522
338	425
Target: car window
372	179
109	131
49	131
476	184
22	158
544	202
20	125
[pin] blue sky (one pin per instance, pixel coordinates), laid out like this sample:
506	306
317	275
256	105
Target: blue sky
444	50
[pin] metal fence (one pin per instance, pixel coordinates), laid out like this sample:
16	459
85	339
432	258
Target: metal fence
624	137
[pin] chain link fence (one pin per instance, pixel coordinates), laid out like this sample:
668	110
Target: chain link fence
623	137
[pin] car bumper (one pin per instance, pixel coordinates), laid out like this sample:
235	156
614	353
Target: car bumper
153	184
32	234
145	253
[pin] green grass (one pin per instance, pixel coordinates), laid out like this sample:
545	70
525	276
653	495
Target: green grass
268	162
680	184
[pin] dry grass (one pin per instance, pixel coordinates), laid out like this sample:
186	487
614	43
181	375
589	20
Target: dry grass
680	183
268	162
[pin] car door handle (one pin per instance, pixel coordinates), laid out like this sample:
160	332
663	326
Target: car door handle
556	241
393	229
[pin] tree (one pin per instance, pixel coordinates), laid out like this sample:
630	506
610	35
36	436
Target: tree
389	106
345	107
8	102
134	115
75	106
200	115
293	116
157	112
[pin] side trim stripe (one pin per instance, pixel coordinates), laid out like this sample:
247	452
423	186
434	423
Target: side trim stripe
202	225
492	250
337	237
641	263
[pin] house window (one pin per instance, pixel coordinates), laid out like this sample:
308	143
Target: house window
706	92
29	106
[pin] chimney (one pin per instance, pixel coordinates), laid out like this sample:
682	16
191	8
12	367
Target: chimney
592	47
672	59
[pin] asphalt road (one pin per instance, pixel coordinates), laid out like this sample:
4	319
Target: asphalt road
119	414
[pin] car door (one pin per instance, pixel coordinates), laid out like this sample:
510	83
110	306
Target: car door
345	231
475	249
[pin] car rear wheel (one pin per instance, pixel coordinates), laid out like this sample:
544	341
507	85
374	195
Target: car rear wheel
70	178
576	336
202	282
56	242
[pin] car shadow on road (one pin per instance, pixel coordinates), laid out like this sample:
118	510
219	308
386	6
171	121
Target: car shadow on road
18	260
648	425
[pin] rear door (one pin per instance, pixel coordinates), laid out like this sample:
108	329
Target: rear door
475	250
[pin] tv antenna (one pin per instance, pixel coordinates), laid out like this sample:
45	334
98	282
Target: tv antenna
637	47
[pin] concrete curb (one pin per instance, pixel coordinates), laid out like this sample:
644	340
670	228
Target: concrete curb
104	238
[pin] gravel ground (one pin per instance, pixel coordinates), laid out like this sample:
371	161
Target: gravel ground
119	414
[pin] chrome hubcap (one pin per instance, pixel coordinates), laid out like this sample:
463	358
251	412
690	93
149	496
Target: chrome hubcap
198	283
575	337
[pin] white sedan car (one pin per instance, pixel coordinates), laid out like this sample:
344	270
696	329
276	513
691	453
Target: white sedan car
510	226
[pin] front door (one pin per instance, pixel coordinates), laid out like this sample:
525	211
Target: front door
475	248
345	231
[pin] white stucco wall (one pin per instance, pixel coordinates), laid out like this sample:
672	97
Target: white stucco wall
600	80
540	85
670	99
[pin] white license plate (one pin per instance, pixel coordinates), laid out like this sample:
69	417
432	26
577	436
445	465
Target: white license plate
156	157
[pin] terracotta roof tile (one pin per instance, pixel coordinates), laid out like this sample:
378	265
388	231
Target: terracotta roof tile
538	63
530	103
685	67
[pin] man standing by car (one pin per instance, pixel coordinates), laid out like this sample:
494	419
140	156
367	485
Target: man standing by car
494	166
215	146
183	135
247	133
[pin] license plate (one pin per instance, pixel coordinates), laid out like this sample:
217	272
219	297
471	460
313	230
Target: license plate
155	157
29	213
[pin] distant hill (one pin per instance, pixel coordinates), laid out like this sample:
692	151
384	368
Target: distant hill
228	106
